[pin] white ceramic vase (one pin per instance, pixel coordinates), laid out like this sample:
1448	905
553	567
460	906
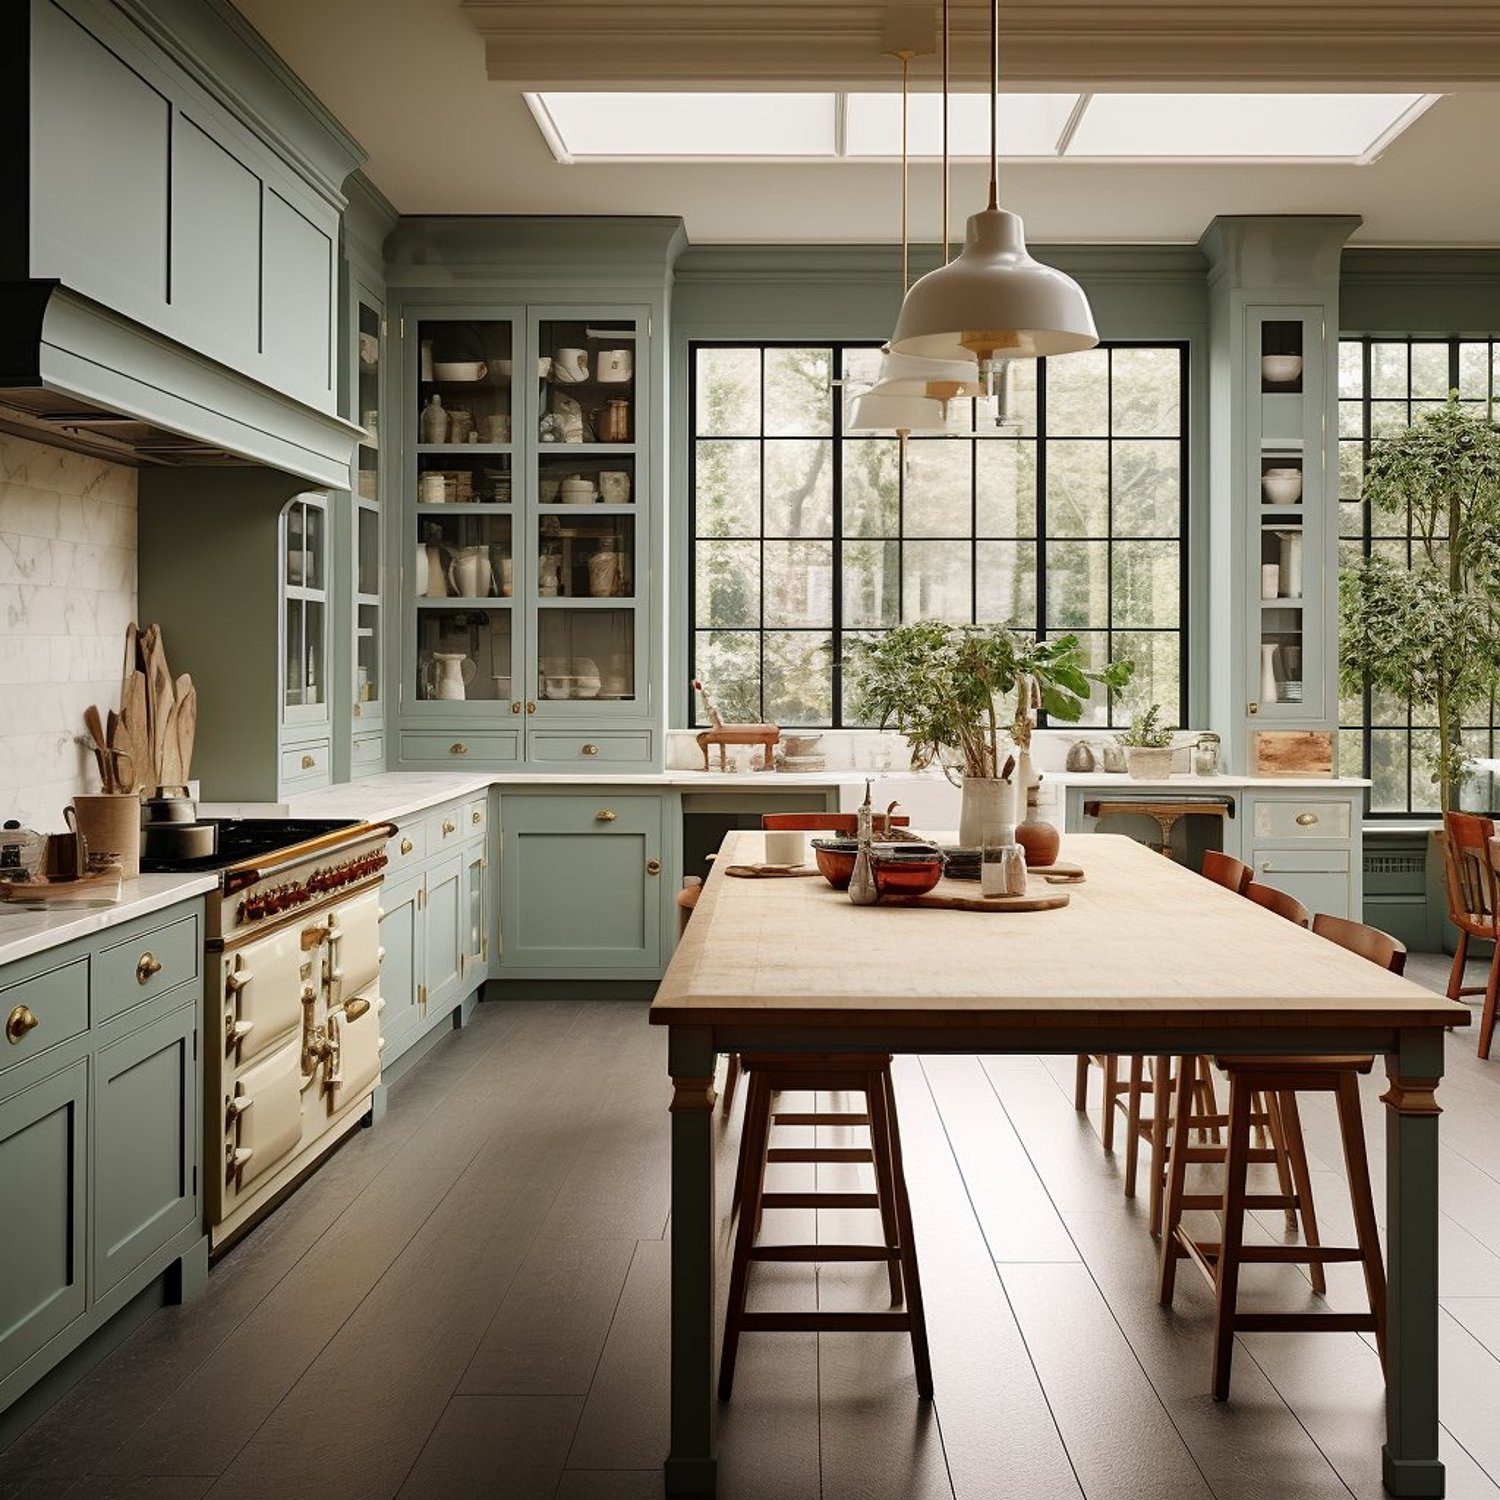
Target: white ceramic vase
986	807
1268	689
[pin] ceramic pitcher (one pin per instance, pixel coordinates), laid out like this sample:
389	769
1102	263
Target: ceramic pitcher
452	672
437	576
471	573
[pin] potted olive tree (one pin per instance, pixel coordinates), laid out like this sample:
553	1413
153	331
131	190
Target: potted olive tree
938	684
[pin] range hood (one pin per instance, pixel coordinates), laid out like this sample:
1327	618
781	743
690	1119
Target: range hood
77	375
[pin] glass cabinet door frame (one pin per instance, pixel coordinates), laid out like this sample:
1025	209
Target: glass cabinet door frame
408	512
639	450
302	715
367	714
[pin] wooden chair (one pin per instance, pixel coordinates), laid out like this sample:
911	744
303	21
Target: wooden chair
1473	907
846	824
1279	1081
869	1075
1279	902
1224	869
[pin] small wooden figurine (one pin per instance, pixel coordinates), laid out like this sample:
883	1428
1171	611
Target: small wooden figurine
724	735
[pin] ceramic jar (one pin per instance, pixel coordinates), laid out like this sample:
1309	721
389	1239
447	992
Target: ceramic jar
612	421
547	576
471	573
1080	757
452	672
434	423
604	574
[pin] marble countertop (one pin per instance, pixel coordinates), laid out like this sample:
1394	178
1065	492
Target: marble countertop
25	930
1187	783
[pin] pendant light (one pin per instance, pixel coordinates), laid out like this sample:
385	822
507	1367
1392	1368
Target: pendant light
994	302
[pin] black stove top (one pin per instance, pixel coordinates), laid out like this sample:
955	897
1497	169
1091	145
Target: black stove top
250	838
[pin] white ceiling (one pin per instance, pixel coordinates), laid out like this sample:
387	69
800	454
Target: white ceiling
408	79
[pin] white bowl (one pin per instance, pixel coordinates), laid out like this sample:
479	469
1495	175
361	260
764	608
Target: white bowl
1281	486
1280	369
464	370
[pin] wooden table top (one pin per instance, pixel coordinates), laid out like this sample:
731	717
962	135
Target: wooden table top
1144	942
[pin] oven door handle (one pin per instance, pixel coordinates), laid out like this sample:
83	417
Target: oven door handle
240	876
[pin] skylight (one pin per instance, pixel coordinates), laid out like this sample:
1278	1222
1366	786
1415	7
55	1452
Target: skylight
1352	128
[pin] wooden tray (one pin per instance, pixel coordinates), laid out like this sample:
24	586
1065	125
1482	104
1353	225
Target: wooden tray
102	889
960	895
771	872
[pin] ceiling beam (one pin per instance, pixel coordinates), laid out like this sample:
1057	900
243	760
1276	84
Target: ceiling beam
1426	45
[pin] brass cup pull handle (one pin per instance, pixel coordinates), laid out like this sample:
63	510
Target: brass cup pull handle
354	1009
449	826
21	1020
653	867
1307	819
476	817
407	846
605	815
458	748
146	966
530	706
515	707
308	762
589	749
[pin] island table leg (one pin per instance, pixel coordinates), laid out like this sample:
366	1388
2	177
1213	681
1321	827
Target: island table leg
1410	1462
691	1469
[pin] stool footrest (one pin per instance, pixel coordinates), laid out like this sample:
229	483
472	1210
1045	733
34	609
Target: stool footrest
826	1322
819	1200
822	1117
820	1153
1284	1255
1252	1200
1263	1322
811	1253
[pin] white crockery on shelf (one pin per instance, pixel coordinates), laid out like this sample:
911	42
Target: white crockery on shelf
1280	369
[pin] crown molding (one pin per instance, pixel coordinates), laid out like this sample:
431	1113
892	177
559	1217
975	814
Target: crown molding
1418	45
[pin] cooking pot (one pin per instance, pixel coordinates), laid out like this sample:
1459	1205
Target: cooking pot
179	841
167	809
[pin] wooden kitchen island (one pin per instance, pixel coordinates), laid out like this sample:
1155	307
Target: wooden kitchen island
1147	958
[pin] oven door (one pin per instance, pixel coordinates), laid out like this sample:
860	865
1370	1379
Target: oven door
264	1116
359	1051
262	988
354	943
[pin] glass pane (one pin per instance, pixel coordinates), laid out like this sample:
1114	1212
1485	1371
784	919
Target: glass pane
799	488
586	379
1429	371
1005	584
726	584
1425	796
728	393
1351	470
1078	394
1077	585
1388	770
586	653
367	561
936	582
1351	753
1388	417
464	557
939	486
1005	481
798	583
728	661
367	654
872	584
592	557
314	679
1012	409
1145	392
1147	584
872	487
1158	670
1078	488
1388	370
572	480
799	677
1095	645
799	392
464	374
1351	368
726	490
464	654
1474	371
1147	498
1351	419
861	369
293	670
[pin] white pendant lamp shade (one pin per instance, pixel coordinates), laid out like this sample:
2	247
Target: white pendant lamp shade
936	379
873	412
993	301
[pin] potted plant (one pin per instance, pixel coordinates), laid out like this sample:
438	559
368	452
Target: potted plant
938	685
1148	746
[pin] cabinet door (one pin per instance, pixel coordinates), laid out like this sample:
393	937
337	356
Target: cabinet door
43	1153
444	931
145	1180
582	887
476	916
401	962
1321	879
305	595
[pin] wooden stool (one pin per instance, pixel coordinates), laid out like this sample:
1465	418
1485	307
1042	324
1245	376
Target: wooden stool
1224	869
1278	1080
1154	1128
1474	908
769	1074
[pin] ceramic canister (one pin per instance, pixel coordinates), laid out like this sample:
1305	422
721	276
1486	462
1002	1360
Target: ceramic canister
110	823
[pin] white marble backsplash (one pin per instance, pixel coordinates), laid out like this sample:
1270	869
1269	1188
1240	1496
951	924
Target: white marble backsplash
67	592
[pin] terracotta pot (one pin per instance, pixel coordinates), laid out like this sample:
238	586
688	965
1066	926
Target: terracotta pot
1041	841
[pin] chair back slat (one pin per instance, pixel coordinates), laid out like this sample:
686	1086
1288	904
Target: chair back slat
1279	902
1224	869
1471	876
1369	942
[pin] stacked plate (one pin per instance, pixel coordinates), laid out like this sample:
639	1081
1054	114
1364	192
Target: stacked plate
963	864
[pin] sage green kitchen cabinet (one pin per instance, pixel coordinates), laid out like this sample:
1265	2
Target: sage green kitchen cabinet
1308	842
443	931
401	971
476	954
581	887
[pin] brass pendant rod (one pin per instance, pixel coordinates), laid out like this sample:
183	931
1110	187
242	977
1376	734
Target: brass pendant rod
905	177
945	131
994	103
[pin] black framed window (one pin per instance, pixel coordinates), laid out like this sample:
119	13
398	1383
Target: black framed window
1070	514
1384	384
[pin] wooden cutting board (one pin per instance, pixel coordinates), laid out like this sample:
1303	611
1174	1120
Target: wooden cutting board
771	872
960	895
135	734
187	723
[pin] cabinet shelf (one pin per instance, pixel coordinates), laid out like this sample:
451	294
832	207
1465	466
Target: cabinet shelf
456	450
455	601
1288	445
581	512
467	508
585	601
580	450
1296	603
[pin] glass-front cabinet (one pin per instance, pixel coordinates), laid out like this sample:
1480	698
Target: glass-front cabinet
368	700
304	682
526	526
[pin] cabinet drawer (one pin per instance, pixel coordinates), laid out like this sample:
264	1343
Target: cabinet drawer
147	966
305	763
407	849
448	827
58	1004
459	746
1302	820
477	817
1301	862
579	749
367	752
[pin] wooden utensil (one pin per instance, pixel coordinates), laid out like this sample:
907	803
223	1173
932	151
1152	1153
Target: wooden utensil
132	661
187	723
95	726
169	764
135	730
159	699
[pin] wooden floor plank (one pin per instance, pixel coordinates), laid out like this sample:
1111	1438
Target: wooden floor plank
495	1445
611	1484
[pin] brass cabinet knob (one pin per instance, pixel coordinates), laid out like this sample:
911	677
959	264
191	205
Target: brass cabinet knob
515	708
458	748
588	749
407	846
145	966
653	867
1307	819
21	1020
605	815
476	816
308	762
530	706
356	1007
449	826
1254	708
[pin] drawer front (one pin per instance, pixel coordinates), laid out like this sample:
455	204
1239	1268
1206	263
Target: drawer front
43	1011
1303	820
407	849
354	943
584	750
147	966
448	827
267	1120
367	753
359	1056
260	995
458	747
477	817
306	763
1319	878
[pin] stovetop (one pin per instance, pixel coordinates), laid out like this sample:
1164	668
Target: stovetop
251	838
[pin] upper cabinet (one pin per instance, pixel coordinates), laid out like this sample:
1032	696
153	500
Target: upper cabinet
152	196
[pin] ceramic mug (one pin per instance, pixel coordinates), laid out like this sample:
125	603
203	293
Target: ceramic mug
432	488
614	486
576	490
110	823
785	846
570	365
614	365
